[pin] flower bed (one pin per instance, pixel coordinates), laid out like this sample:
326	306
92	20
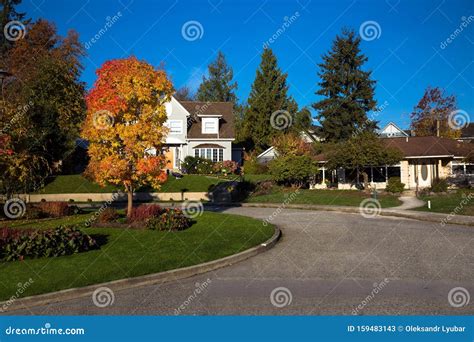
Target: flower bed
17	244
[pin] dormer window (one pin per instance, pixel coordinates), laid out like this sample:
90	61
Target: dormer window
210	125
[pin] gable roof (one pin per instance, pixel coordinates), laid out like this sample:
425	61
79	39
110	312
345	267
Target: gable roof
198	108
399	131
412	147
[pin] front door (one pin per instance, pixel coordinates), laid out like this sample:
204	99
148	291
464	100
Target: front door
422	172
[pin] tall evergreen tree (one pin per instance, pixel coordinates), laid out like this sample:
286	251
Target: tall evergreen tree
8	13
269	94
219	85
348	90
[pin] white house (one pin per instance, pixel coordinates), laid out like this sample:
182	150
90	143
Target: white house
198	129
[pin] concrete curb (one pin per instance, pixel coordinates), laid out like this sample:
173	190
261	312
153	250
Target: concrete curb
149	279
440	218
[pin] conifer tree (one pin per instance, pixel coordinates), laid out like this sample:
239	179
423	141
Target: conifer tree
269	95
219	85
347	90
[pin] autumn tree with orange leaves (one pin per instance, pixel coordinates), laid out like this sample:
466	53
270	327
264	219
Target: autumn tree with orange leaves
125	121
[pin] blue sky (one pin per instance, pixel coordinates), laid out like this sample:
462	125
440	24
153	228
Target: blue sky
408	52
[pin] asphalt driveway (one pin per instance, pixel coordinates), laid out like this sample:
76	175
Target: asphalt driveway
326	263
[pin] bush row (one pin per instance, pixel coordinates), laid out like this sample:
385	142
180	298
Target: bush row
17	244
150	216
202	166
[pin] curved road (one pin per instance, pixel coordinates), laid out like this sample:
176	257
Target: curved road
329	263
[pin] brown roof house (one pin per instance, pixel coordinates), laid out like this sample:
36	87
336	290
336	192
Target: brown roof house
198	129
425	159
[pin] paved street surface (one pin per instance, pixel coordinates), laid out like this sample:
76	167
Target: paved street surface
328	263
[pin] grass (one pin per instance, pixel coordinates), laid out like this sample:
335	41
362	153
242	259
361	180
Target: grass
460	202
321	197
131	253
78	184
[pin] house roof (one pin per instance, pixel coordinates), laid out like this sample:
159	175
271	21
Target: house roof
400	131
226	122
429	147
468	131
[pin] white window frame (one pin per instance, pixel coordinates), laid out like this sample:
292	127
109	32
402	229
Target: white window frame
175	130
215	125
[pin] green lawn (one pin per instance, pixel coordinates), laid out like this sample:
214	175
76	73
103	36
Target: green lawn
130	253
448	203
78	184
322	197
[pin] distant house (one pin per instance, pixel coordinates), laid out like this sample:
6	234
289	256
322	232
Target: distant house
198	129
391	130
425	159
467	133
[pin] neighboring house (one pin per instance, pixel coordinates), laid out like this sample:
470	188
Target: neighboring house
198	129
391	130
425	159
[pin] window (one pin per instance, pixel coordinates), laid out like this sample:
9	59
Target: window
175	126
214	155
210	125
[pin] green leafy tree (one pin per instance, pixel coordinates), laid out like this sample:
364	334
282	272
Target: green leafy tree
9	13
359	151
219	85
45	102
294	170
347	90
269	94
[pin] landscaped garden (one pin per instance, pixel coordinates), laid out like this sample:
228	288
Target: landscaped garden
460	202
86	248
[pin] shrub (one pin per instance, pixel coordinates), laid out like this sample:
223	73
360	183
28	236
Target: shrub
251	166
394	185
227	166
108	215
33	213
292	170
144	212
54	209
169	220
197	165
439	185
263	188
17	244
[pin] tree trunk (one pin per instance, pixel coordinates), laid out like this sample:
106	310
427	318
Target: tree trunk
366	180
129	200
